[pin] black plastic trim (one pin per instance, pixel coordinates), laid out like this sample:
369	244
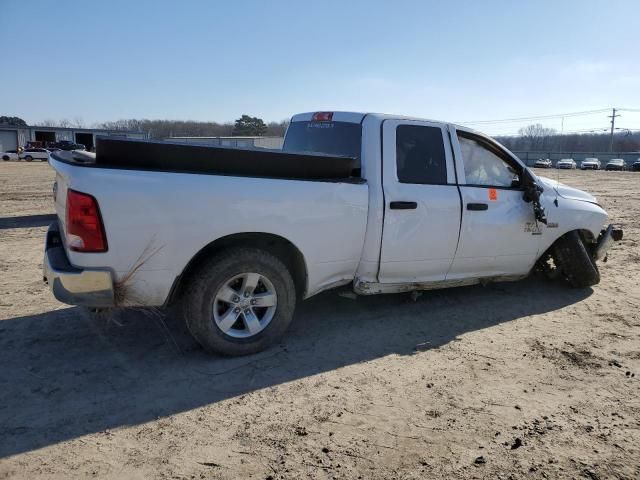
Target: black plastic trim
400	205
225	161
477	207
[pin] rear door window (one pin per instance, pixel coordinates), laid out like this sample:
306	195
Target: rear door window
420	156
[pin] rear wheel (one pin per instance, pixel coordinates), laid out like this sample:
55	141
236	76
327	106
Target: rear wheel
5	158
239	302
28	158
575	261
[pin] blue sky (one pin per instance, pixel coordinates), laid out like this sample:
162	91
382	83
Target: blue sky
206	60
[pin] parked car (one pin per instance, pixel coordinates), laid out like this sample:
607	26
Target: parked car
10	155
67	145
237	237
590	164
30	154
568	163
616	164
636	166
543	163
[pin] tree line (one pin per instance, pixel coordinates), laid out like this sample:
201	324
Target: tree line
536	138
159	129
246	125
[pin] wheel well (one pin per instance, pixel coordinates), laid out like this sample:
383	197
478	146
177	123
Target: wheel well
282	248
586	236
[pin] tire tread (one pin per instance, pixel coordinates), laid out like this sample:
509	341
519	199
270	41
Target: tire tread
575	262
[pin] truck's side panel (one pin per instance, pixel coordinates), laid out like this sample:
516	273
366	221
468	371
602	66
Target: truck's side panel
164	219
502	240
422	203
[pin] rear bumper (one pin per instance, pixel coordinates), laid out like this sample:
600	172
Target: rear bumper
74	286
605	240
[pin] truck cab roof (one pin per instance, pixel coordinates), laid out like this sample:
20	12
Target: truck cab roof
357	117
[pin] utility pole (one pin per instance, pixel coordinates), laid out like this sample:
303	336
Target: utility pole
613	125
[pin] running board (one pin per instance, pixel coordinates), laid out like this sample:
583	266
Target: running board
362	287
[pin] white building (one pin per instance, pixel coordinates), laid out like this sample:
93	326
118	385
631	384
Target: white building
261	142
12	137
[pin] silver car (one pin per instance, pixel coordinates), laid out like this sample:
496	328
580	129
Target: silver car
543	163
616	164
10	155
590	164
567	163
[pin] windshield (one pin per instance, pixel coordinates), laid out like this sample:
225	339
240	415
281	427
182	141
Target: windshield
334	138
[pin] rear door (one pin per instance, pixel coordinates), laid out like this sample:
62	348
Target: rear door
499	233
422	204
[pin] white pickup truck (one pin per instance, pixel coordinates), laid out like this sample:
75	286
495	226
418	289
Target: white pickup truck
423	205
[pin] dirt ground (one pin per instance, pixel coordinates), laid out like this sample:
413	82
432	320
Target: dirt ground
515	380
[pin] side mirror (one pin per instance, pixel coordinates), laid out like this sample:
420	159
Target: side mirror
532	192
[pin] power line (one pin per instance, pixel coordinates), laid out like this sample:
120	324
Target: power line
538	117
551	116
569	132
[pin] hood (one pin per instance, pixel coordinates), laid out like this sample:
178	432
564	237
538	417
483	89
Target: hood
566	191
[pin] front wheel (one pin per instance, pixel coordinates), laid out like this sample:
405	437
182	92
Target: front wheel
28	158
239	302
575	262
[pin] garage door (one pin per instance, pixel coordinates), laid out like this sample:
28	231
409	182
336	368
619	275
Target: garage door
8	140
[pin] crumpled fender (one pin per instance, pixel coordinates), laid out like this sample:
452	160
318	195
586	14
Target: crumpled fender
565	191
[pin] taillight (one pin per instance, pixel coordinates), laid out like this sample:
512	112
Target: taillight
85	232
322	117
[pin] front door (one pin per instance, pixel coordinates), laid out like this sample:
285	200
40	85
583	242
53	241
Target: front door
422	204
499	234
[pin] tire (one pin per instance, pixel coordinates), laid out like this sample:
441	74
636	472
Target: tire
28	158
204	312
575	262
5	158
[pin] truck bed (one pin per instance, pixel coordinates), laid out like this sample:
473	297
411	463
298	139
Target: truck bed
157	220
204	159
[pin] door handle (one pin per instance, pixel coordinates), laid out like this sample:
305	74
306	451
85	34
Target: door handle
477	206
403	205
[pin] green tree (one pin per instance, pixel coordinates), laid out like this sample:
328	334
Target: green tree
13	121
249	127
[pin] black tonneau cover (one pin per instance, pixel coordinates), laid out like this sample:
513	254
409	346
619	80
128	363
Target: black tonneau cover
188	158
